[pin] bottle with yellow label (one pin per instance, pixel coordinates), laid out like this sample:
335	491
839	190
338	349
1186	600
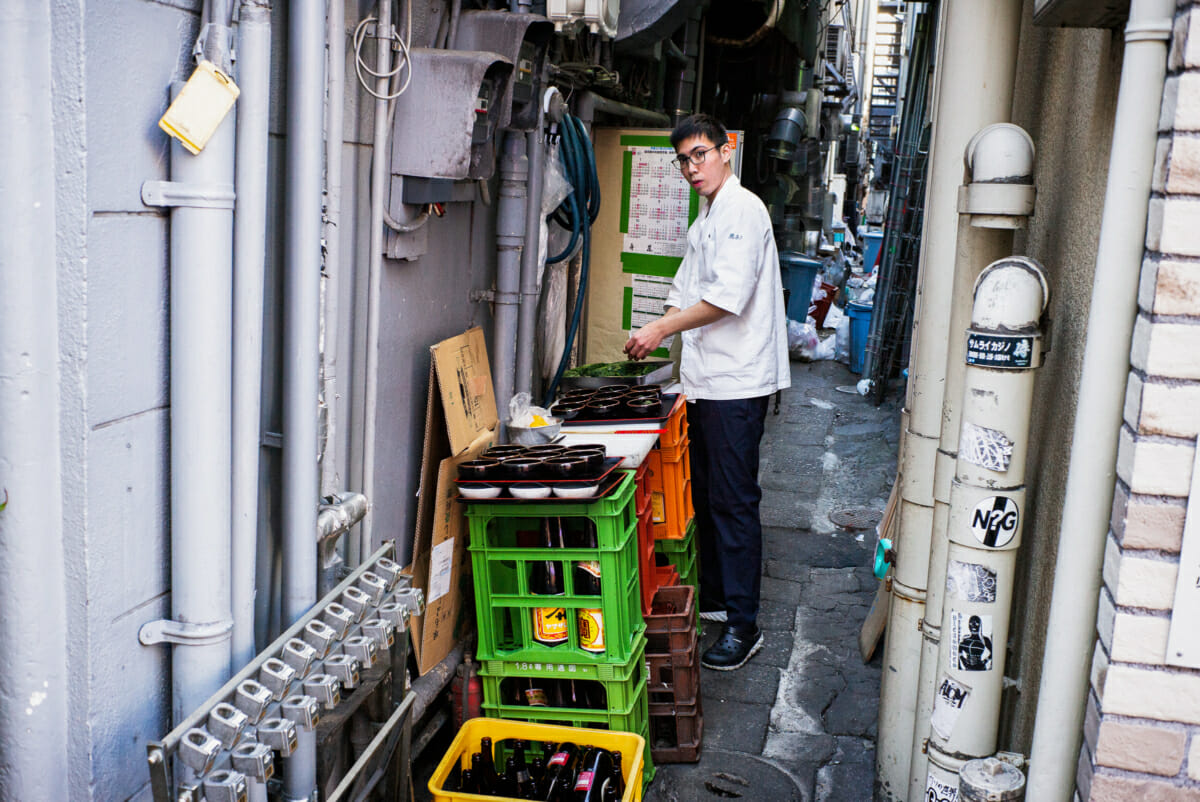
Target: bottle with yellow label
589	622
549	623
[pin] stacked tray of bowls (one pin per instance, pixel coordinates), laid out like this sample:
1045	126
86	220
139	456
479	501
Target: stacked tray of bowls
609	402
538	473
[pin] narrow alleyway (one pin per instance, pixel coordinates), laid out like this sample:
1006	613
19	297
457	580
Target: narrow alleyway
798	722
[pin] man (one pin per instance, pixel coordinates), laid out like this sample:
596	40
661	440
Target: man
726	302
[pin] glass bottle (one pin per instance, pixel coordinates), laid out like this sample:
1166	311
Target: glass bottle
545	579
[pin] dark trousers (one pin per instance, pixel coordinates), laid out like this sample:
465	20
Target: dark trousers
724	437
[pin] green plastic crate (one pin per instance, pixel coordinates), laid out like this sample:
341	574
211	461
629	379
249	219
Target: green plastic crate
683	555
501	570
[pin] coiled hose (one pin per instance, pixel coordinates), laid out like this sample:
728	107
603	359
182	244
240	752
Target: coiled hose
577	213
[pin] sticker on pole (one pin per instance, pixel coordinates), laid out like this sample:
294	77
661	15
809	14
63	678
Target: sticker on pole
1003	351
970	582
938	791
994	521
947	704
987	448
972	639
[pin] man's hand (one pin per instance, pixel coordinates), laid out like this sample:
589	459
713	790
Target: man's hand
644	341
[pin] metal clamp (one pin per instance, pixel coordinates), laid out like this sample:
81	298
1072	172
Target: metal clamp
198	749
325	689
165	630
345	668
373	585
225	786
254	760
280	735
225	722
302	711
195	196
380	631
389	570
277	676
252	699
339	617
299	655
356	601
362	649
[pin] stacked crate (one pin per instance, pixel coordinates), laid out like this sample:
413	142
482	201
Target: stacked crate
606	683
673	667
667	487
654	575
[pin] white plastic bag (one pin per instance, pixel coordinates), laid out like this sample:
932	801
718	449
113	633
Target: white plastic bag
826	349
834	316
522	413
842	353
802	340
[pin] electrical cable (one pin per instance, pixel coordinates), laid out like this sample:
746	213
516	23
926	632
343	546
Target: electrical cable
393	36
578	211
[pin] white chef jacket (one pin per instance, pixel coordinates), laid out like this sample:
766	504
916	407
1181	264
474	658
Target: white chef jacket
731	262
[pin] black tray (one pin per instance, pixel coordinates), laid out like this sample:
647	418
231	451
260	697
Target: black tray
606	467
668	404
608	483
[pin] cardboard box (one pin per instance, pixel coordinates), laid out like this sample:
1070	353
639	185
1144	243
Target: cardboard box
460	422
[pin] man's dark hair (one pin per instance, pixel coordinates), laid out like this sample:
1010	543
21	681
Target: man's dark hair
704	125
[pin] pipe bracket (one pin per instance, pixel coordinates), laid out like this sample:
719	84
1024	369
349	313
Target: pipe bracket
196	196
165	630
1006	200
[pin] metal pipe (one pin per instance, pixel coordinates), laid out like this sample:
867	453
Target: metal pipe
510	244
1091	472
590	103
531	259
997	199
974	85
33	670
249	265
987	502
332	449
333	520
201	252
379	179
301	349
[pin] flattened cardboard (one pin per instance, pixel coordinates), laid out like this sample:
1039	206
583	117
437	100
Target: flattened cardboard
460	403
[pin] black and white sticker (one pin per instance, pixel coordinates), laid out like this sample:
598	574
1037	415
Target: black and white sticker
987	448
994	521
1004	351
947	704
971	635
970	582
938	791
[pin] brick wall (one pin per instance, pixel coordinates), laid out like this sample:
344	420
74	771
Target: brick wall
1142	732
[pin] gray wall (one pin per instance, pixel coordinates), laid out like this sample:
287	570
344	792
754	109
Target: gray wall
113	65
1065	97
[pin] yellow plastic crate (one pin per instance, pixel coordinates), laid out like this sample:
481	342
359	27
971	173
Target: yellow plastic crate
475	730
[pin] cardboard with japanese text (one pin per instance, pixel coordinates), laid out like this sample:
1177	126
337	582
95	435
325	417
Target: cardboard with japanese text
460	422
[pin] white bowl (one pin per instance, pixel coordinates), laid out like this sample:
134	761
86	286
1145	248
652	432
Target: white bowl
579	491
529	491
479	491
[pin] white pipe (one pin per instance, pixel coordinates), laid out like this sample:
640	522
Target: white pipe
249	258
987	503
201	397
997	199
33	737
359	549
973	87
1091	472
510	244
301	340
331	447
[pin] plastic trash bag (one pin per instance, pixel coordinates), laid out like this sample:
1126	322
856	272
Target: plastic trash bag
843	340
834	317
524	414
802	339
826	349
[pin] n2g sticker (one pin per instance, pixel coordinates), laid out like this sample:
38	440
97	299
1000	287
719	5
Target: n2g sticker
994	521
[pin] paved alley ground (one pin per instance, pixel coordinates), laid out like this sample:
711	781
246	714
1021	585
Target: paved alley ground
798	721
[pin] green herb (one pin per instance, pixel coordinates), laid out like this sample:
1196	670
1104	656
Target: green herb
613	369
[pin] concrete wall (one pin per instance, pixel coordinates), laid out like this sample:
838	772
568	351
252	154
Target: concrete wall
1065	97
113	63
1143	723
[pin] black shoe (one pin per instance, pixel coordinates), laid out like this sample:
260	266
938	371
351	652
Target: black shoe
711	611
733	649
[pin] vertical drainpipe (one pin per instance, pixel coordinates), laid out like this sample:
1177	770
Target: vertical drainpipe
360	548
301	346
1091	473
987	502
335	102
531	258
996	200
510	241
978	51
249	256
33	671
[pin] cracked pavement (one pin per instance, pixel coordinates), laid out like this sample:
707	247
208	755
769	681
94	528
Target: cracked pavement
798	722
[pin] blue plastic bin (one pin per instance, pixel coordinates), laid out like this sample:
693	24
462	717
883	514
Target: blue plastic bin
872	242
799	272
860	329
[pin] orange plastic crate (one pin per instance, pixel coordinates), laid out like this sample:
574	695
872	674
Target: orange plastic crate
669	483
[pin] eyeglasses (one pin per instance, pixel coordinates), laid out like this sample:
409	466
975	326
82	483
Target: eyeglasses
696	157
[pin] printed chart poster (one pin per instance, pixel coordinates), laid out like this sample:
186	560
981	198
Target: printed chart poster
657	206
971	635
